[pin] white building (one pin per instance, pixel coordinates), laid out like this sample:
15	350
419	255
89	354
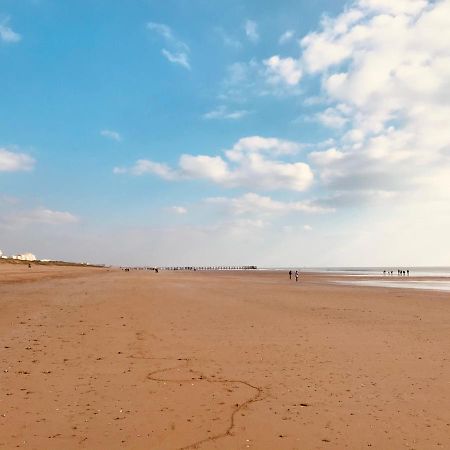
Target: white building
25	257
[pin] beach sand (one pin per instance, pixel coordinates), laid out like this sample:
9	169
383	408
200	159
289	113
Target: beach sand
105	359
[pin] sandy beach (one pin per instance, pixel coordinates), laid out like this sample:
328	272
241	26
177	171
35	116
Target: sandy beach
106	359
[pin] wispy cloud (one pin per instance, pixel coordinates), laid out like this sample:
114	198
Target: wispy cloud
111	134
181	210
275	76
7	34
144	166
252	203
180	58
251	30
15	162
40	215
177	51
228	39
286	37
222	112
163	30
48	216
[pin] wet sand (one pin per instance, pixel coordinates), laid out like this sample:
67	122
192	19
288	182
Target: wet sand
98	359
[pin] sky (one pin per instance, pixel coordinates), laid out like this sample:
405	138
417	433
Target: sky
199	132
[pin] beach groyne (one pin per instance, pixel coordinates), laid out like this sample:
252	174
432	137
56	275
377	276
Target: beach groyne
193	268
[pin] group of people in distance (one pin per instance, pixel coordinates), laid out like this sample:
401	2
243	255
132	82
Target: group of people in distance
296	274
400	273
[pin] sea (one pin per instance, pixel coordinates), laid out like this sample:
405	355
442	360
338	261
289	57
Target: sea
424	277
434	272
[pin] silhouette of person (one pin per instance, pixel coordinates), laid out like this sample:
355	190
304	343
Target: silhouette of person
296	275
290	274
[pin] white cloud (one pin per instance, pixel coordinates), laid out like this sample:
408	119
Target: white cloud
251	30
144	166
252	144
398	7
252	203
324	158
111	134
222	112
354	135
253	162
177	51
163	30
286	37
7	34
307	227
179	58
385	69
212	168
181	210
15	162
332	118
285	70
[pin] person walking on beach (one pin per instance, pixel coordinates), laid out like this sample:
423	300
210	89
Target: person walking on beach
290	274
296	275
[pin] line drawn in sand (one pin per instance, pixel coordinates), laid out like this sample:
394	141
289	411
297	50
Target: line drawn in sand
185	363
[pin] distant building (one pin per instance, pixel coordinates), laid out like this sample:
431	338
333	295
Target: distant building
25	257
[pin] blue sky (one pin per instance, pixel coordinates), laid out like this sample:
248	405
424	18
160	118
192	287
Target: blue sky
195	132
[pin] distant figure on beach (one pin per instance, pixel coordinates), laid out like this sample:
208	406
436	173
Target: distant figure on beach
290	274
296	275
29	266
407	272
156	270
